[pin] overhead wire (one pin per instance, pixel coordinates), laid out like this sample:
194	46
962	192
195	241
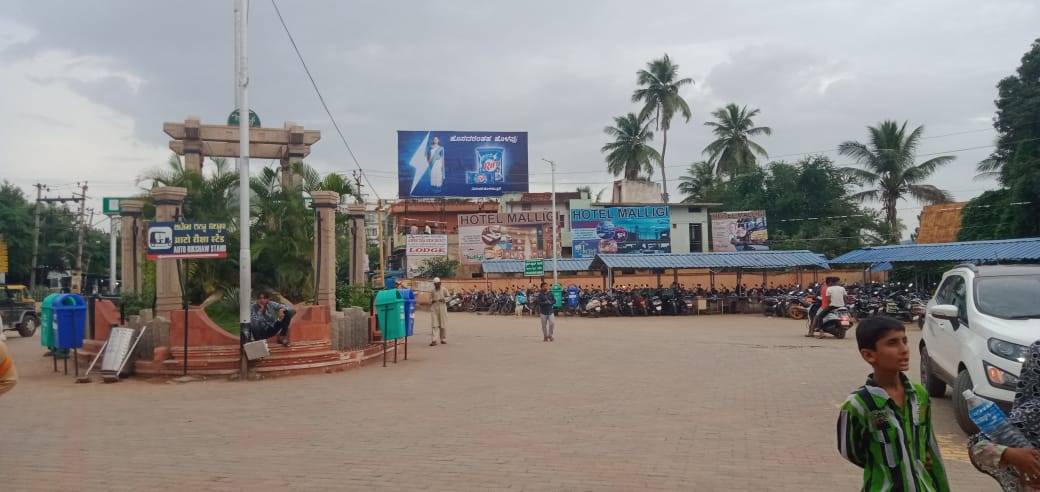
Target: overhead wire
321	98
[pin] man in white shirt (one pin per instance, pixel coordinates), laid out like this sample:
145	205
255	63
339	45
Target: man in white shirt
832	297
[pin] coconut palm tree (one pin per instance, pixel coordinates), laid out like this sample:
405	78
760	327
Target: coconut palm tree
699	179
659	93
733	152
888	165
630	153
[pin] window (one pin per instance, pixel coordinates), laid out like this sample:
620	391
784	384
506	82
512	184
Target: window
696	243
525	206
954	291
694	210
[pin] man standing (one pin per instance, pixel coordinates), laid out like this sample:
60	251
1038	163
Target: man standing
545	304
267	319
438	314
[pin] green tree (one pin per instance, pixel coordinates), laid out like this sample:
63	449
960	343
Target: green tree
630	153
697	182
659	92
733	152
438	267
1015	161
888	160
16	225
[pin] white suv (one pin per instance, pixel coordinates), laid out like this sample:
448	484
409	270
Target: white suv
978	327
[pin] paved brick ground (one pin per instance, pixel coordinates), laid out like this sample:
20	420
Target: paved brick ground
710	403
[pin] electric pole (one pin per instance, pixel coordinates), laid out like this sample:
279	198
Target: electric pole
77	278
36	235
357	183
555	238
379	233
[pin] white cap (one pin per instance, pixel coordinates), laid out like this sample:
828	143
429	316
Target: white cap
968	394
436	280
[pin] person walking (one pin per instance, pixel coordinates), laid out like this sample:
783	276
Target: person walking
438	315
545	305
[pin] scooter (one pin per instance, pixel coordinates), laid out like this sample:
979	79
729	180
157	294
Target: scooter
836	322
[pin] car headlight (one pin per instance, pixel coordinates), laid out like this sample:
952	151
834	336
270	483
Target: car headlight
1000	378
1007	350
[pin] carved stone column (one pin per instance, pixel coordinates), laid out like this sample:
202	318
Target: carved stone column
132	246
324	262
167	200
294	153
359	244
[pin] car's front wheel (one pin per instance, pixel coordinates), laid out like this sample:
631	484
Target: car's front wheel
960	406
28	326
936	387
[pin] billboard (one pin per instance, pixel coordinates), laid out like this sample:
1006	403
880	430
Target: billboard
421	247
470	164
506	236
739	231
638	230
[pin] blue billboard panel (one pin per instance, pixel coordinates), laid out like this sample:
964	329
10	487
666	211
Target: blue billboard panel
638	230
468	164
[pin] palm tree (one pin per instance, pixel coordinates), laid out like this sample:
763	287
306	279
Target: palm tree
659	93
630	153
733	151
699	179
888	164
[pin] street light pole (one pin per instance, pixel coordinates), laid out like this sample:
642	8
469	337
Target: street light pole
245	267
555	236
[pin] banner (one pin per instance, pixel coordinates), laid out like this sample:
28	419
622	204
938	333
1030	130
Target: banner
510	236
187	240
421	247
471	164
645	230
739	231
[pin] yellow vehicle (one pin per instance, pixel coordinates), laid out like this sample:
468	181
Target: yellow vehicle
18	310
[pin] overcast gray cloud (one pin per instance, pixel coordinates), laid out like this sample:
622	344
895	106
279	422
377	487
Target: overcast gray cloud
87	85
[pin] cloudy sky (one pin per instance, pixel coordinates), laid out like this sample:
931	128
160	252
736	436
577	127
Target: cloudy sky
87	85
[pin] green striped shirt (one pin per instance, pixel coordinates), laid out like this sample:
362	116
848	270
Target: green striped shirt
895	446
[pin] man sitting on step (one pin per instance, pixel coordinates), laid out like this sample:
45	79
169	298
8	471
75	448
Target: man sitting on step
268	318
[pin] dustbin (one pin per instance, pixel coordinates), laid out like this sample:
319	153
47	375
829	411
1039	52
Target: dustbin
389	282
557	293
47	326
390	313
70	316
408	296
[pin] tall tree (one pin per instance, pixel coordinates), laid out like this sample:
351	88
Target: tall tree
659	93
733	152
630	153
888	160
1013	211
697	182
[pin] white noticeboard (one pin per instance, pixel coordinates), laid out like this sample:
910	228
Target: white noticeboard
118	348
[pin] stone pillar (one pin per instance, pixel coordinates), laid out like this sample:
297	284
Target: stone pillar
167	284
359	244
192	145
324	259
131	243
294	153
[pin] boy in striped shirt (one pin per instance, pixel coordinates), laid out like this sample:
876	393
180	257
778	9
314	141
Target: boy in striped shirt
885	426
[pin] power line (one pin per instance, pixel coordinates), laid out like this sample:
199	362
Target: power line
322	99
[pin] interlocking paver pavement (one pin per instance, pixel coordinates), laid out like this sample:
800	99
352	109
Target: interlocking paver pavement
691	403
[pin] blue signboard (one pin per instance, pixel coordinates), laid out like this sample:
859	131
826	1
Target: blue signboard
638	230
469	164
187	240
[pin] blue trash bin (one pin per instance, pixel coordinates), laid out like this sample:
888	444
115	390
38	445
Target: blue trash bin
70	317
409	310
389	282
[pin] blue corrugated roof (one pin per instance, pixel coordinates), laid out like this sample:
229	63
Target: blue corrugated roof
981	251
739	259
517	266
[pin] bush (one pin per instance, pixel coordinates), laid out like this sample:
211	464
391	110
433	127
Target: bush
133	303
438	267
348	295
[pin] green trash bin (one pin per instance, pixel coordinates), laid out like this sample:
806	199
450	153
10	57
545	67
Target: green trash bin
390	313
557	293
47	329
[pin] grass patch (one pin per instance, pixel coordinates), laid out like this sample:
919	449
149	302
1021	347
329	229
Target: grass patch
223	317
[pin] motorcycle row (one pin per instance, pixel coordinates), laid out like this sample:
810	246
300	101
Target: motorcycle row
584	302
891	299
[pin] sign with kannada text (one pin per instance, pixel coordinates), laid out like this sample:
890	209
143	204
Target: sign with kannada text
421	247
187	240
534	268
454	163
504	236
